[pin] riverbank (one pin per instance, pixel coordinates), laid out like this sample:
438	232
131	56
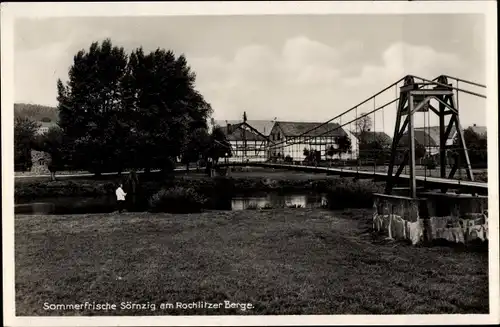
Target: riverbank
288	261
346	191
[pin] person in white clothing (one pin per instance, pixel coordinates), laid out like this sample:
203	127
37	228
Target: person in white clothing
120	198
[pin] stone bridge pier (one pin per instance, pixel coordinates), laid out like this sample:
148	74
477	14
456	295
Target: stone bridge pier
458	218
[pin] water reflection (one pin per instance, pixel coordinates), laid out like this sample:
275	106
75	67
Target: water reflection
87	205
278	201
67	205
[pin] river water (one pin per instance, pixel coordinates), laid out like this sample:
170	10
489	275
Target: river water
107	204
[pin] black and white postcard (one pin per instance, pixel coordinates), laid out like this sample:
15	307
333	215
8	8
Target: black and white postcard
250	163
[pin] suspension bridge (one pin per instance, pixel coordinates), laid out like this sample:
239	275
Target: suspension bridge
410	104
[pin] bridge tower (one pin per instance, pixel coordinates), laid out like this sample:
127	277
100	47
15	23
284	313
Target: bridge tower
414	98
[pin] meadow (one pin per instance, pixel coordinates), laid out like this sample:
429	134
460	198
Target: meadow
287	261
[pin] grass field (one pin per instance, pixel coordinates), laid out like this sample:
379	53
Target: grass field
291	261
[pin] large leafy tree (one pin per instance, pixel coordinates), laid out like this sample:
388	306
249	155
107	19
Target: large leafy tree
165	107
137	111
90	106
24	136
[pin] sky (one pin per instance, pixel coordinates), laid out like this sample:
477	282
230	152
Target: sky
292	68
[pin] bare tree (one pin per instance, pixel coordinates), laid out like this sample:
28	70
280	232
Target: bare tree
363	124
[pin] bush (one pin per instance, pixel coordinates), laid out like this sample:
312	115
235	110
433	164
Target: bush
177	200
481	177
345	193
252	206
430	163
62	188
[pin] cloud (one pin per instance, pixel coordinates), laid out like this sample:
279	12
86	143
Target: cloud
401	59
303	79
309	80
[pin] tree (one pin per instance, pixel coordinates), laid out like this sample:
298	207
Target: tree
90	107
344	144
330	152
312	156
374	147
24	136
477	147
52	142
196	147
363	124
35	112
136	111
219	145
165	107
420	151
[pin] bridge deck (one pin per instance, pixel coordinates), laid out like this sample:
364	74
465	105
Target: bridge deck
440	182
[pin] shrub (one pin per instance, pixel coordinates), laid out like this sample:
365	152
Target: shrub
345	193
177	200
430	163
252	206
267	206
481	177
62	188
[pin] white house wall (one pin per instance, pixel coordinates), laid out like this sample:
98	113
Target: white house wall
354	147
294	147
255	151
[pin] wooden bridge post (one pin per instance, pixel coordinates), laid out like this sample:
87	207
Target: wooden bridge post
411	132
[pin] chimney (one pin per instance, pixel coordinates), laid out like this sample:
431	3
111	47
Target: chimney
474	125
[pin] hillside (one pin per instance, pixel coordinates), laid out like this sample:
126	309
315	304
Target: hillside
36	112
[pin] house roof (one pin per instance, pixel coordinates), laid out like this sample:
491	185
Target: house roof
371	136
238	132
433	132
479	129
305	129
46	124
262	126
421	137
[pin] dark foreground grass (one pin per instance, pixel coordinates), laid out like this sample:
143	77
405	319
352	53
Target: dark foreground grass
292	261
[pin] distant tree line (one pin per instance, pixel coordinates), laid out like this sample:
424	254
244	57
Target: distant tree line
477	149
122	111
35	112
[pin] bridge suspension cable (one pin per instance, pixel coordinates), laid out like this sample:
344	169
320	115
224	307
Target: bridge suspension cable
290	140
421	83
339	126
431	82
345	112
